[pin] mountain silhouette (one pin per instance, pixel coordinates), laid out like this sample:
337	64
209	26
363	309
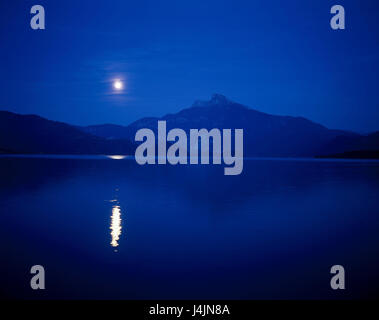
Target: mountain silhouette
108	131
33	134
265	135
346	143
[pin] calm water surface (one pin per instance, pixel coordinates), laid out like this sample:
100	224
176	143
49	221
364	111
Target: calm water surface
109	228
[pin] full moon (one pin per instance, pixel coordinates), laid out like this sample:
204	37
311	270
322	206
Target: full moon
118	85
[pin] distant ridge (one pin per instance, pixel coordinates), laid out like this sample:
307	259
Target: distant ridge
33	134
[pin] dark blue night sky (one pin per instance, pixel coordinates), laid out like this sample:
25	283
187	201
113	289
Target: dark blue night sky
276	56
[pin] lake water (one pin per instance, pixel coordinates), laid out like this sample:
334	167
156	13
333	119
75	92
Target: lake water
109	228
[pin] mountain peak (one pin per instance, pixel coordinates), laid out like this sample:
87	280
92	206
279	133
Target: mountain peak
216	100
219	99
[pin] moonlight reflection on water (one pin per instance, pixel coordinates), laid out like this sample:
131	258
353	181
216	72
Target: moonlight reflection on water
115	225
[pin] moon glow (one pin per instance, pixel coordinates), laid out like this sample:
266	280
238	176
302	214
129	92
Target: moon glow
118	85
